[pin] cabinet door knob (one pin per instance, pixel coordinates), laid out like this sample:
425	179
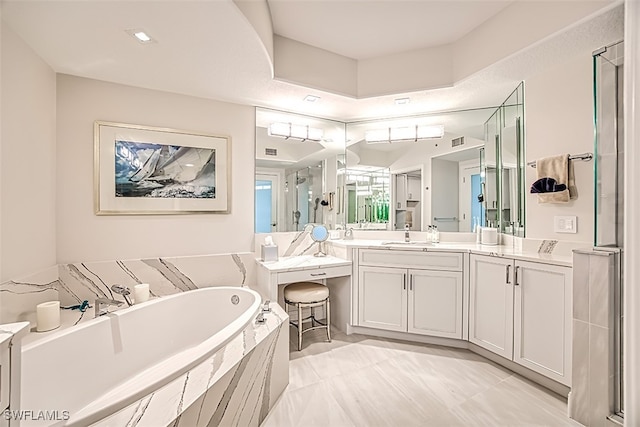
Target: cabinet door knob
515	278
507	279
411	282
404	281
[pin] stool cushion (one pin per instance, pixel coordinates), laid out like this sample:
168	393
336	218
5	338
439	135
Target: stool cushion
305	292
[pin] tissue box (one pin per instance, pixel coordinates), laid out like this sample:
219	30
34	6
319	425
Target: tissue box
269	253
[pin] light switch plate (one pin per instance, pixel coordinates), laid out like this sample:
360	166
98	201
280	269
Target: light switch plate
565	224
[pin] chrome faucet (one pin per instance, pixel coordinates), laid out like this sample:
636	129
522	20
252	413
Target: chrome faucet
104	302
124	291
406	233
348	234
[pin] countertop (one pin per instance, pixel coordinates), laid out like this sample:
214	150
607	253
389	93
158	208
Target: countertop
464	247
303	262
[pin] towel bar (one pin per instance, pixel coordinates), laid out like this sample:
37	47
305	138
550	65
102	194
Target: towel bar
585	157
453	218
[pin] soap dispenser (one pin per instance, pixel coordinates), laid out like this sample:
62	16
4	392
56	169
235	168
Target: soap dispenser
430	234
436	234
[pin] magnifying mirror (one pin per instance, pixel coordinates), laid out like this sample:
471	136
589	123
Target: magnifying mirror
319	234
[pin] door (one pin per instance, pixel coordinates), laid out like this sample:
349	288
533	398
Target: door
266	203
382	298
542	319
491	304
435	303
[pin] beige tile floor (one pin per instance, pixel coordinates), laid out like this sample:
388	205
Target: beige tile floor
362	381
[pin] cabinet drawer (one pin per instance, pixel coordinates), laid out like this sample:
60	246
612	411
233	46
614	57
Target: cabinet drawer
313	274
411	259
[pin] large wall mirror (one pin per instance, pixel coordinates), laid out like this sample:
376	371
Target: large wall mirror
416	171
455	170
503	166
297	163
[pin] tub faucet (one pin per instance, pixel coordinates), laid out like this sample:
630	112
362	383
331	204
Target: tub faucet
104	302
406	233
124	291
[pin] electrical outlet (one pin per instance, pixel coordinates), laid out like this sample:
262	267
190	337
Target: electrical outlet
565	224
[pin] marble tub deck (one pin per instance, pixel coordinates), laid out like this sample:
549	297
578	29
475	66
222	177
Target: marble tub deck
357	380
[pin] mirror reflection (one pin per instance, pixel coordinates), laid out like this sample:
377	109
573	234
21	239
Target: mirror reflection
453	170
504	166
297	160
433	165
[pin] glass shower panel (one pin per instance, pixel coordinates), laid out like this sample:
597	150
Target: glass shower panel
609	201
608	65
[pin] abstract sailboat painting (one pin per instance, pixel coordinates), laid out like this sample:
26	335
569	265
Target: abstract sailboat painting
155	170
146	170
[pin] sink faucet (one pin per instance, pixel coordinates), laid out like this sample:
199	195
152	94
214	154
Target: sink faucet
348	234
104	302
406	233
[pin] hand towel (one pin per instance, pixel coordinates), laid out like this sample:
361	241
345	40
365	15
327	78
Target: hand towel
560	169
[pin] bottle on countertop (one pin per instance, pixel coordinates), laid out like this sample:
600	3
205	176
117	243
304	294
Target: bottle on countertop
430	234
436	235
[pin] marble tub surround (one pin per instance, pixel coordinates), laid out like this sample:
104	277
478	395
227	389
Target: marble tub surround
74	283
19	297
236	386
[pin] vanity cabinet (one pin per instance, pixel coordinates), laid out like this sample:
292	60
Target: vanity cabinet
522	311
395	295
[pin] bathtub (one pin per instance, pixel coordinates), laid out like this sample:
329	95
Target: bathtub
88	372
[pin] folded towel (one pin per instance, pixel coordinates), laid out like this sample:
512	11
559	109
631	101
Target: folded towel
561	170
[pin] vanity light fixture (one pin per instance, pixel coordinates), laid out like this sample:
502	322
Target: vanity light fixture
141	36
413	133
290	130
311	98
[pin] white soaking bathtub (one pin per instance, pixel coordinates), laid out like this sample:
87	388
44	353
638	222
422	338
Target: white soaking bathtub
97	368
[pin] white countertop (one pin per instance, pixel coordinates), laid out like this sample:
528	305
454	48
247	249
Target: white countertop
10	330
475	248
303	262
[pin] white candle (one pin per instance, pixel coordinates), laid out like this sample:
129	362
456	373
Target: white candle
141	293
47	316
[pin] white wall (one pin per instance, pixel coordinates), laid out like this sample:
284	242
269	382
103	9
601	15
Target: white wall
83	236
28	160
558	120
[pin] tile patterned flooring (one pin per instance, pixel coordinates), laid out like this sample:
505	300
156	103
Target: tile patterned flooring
363	381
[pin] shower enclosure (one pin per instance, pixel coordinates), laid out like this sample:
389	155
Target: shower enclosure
303	195
608	64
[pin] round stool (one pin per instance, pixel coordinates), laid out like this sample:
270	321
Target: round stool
308	295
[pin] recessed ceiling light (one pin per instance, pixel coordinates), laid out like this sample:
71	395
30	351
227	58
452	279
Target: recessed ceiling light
141	36
403	101
311	98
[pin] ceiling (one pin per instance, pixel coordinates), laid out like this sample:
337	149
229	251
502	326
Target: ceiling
210	50
371	29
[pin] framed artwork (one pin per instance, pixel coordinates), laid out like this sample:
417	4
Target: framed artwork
142	170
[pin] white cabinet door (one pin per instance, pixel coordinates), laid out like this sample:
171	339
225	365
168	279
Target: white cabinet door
491	304
382	298
542	319
435	303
